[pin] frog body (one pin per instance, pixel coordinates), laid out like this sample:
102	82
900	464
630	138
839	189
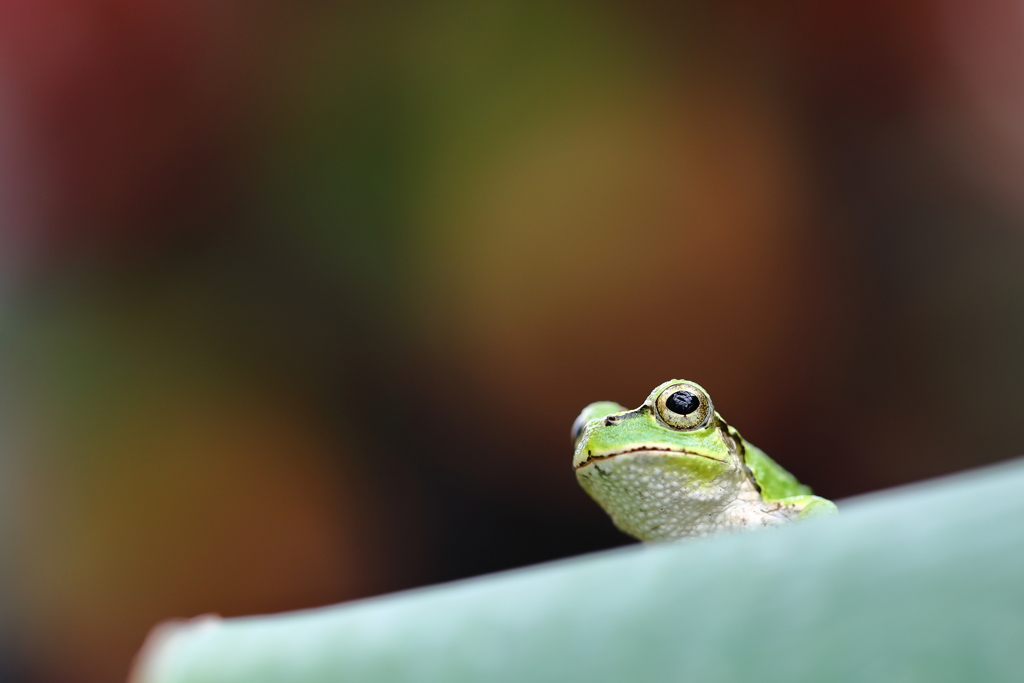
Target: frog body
673	468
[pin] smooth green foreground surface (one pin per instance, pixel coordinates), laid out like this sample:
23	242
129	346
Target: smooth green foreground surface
924	583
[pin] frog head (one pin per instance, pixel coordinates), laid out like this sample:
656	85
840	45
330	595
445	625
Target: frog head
662	466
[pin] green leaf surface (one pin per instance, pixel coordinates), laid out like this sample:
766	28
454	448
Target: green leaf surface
923	583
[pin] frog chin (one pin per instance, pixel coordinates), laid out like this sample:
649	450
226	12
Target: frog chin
644	468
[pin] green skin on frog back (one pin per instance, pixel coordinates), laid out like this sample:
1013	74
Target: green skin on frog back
673	468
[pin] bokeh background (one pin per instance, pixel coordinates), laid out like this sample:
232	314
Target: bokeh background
298	300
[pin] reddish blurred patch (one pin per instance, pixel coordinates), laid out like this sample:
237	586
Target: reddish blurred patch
132	107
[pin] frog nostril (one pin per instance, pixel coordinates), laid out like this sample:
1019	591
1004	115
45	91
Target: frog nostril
609	421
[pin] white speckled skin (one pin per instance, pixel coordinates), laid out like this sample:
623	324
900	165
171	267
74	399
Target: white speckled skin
654	501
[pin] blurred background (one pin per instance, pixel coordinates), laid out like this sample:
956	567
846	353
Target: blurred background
298	300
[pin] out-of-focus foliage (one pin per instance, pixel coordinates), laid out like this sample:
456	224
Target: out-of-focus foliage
299	299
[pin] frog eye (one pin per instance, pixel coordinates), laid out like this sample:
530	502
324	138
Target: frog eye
684	406
577	427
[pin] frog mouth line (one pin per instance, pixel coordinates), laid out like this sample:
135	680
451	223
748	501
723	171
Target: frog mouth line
644	449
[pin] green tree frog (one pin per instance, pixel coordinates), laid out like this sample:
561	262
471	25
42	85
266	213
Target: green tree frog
673	468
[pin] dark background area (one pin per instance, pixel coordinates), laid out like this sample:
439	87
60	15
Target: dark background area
298	300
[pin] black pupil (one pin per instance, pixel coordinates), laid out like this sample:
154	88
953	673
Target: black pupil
683	402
